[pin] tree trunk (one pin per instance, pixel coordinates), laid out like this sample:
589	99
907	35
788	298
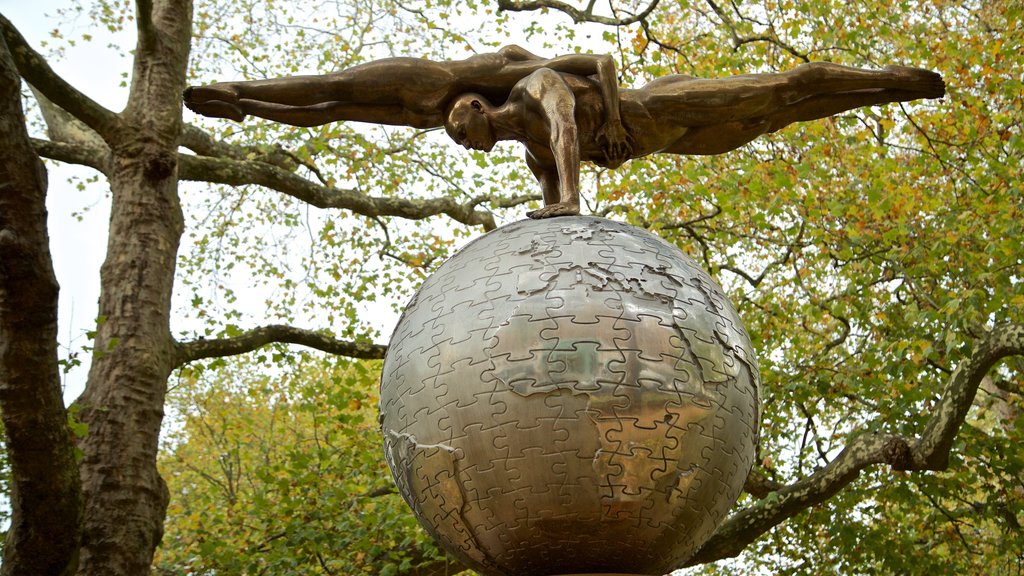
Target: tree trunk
125	498
46	505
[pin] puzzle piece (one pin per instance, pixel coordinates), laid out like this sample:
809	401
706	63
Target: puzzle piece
563	388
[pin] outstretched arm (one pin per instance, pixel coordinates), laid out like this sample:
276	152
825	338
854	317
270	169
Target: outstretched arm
612	136
516	53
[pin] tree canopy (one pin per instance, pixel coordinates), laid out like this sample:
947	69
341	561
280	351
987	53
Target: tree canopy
875	257
282	474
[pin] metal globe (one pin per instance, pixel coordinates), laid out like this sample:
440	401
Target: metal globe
570	395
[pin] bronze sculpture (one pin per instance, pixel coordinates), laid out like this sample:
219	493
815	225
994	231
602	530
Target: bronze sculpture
568	396
557	115
565	109
398	91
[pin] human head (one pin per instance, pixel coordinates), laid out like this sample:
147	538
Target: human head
467	123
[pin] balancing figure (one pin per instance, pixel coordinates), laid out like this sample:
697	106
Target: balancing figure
558	116
401	91
565	109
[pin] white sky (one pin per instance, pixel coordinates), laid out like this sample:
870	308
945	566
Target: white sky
78	218
77	247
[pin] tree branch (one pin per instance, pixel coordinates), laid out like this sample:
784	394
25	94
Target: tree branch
586	15
259	337
758	485
738	40
929	452
34	69
221	163
508	202
240	172
144	22
379	491
97	158
45	497
233	168
203	144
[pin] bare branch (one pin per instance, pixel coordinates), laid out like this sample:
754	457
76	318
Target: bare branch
758	485
739	40
507	202
98	157
259	337
61	126
273	169
240	172
748	524
34	69
203	144
379	491
585	15
929	452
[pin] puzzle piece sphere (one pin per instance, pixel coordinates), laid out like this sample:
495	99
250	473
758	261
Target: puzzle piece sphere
570	395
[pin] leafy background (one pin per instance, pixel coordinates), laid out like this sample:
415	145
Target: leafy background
866	253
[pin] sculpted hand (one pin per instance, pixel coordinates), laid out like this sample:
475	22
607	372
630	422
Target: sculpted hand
615	142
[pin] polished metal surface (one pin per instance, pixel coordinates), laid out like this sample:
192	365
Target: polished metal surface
569	396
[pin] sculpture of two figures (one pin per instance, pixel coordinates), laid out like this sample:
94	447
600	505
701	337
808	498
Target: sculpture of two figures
565	109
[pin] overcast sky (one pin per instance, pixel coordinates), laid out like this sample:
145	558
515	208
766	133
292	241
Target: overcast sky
77	246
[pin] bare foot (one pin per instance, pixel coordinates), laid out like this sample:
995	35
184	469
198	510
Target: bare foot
223	91
552	210
925	82
216	109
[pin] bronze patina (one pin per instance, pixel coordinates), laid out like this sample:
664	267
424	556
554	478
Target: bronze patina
399	91
558	116
565	109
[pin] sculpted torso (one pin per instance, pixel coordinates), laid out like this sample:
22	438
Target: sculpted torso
565	109
590	117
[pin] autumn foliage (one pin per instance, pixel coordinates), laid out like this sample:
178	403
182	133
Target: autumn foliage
876	258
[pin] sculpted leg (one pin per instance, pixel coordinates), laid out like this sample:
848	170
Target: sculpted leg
816	78
718	138
825	105
290	90
411	82
325	112
704	102
721	138
234	100
214	108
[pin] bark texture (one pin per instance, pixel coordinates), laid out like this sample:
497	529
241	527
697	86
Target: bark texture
125	498
45	492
